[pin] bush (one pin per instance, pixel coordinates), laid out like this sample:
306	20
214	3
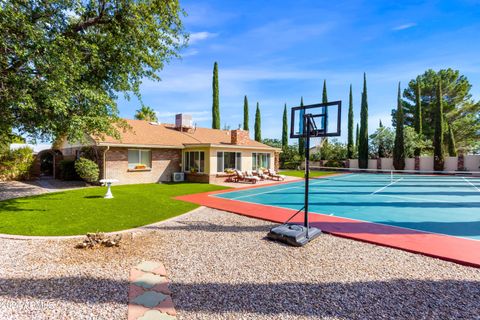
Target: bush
67	170
16	164
87	170
334	164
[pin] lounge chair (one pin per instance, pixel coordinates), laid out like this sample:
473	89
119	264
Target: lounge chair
275	176
241	177
262	175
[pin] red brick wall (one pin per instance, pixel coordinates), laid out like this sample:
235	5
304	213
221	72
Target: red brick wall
239	137
164	163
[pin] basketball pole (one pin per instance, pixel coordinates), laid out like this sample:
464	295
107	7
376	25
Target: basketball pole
306	128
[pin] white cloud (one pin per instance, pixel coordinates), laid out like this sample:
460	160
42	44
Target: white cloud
404	26
199	36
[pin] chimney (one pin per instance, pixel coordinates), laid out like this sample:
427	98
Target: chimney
239	137
183	121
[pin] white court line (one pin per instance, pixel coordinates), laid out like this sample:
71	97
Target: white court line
270	191
388	185
411	198
471	184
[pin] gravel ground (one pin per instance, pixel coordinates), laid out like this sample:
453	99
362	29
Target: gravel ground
222	268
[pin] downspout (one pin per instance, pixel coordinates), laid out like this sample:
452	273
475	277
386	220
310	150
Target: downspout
105	163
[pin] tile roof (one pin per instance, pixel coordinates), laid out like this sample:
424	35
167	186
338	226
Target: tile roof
145	133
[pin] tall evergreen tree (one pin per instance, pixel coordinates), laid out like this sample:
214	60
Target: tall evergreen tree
245	113
452	149
438	154
258	125
301	141
324	92
216	101
350	146
357	137
285	128
399	146
381	145
363	140
418	113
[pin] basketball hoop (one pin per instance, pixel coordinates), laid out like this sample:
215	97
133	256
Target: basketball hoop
308	122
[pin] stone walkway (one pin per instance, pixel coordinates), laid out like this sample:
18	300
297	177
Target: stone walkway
17	189
149	296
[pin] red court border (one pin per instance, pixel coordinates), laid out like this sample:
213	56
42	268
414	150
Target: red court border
458	250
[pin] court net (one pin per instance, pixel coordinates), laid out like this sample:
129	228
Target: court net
394	175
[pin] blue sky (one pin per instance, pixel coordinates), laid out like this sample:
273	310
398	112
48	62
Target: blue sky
277	51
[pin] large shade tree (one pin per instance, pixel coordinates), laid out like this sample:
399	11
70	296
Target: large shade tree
63	63
459	108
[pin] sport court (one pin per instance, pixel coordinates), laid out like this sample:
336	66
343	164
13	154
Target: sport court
448	205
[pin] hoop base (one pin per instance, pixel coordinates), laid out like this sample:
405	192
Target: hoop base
293	234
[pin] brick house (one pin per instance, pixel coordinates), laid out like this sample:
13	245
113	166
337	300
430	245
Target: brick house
152	152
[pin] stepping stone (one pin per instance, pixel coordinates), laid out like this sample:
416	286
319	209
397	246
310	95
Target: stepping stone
153	267
149	299
148	280
156	315
148	266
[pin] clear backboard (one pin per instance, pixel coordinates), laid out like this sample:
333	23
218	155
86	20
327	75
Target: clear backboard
322	120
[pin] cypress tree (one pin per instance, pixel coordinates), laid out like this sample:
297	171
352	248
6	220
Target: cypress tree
350	147
216	102
301	141
357	137
258	125
285	128
438	156
452	149
245	113
363	139
381	146
399	146
324	93
418	114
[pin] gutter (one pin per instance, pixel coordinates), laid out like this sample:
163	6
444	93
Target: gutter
105	163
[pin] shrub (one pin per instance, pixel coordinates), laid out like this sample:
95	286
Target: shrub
16	164
334	164
67	170
87	170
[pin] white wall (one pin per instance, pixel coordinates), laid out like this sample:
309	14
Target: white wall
471	163
409	163
387	163
354	163
426	163
372	163
451	164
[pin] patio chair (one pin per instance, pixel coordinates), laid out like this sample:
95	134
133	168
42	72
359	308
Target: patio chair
275	176
246	177
262	175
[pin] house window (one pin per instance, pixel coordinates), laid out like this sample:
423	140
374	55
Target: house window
139	159
194	161
260	160
229	160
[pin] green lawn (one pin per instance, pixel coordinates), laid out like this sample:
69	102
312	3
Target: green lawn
80	211
301	173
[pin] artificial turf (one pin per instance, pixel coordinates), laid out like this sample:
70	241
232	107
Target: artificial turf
301	173
77	212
